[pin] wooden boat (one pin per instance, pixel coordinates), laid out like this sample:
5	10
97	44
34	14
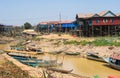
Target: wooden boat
20	56
94	56
3	42
58	51
60	70
113	62
72	53
55	52
39	51
24	52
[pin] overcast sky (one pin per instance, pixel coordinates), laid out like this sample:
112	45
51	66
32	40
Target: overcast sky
17	12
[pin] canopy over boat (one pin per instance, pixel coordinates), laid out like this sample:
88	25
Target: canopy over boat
115	56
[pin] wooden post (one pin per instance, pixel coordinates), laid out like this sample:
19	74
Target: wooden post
115	30
108	31
101	30
92	31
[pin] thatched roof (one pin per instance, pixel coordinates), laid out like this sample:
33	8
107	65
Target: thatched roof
30	32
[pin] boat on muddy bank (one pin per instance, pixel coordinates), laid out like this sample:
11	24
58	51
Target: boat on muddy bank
113	61
94	56
72	53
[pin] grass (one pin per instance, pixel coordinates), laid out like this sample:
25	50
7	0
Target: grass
103	41
37	39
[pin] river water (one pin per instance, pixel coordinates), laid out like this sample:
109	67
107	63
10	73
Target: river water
81	66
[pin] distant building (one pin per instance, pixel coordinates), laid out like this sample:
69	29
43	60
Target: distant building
42	27
53	26
101	24
6	29
57	26
68	25
1	28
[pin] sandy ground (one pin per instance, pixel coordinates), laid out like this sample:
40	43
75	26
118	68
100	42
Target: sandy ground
48	44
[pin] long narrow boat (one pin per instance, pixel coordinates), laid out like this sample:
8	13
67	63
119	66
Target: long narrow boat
58	51
60	70
24	52
55	52
94	56
20	56
72	53
113	61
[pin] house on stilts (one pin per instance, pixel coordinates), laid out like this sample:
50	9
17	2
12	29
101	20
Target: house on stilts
105	23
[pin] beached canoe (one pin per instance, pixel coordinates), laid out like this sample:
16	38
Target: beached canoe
94	56
24	52
60	70
72	53
113	62
3	42
55	52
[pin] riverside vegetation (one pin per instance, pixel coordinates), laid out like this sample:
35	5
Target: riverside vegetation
97	42
9	70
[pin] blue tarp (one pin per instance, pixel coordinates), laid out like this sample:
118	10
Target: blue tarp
68	25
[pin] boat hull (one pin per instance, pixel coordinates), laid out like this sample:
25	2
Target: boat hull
70	53
96	59
112	65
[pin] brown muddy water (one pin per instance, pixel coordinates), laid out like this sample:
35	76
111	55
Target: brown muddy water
81	66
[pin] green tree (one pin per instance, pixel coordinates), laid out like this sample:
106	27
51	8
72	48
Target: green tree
27	25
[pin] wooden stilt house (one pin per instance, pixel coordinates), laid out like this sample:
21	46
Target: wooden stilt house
102	24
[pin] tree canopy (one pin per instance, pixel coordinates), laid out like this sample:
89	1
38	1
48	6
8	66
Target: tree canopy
27	25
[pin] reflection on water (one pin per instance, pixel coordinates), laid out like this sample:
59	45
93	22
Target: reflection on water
82	66
2	46
85	67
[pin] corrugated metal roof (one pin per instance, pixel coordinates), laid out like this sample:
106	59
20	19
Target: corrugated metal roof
89	15
43	23
118	14
65	21
103	13
53	22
